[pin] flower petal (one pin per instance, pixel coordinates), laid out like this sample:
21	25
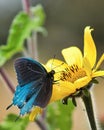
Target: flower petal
82	82
62	90
72	55
57	65
99	62
89	46
87	66
98	73
34	112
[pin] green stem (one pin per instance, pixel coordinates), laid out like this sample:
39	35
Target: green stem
89	108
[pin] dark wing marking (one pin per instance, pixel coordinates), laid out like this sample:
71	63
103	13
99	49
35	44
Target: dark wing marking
45	93
28	70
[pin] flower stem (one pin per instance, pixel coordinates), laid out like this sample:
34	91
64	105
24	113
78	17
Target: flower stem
31	41
26	6
41	123
34	46
90	113
7	79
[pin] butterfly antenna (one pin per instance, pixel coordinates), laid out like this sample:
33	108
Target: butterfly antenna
58	65
17	118
9	106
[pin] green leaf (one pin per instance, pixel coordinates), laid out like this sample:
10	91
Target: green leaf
74	101
59	116
21	28
6	53
10	124
85	92
95	81
39	14
23	25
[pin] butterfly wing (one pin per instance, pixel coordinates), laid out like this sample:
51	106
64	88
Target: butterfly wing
45	93
32	94
28	70
25	95
39	97
35	86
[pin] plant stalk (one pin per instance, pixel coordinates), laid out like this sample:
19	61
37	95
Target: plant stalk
90	112
41	123
34	46
26	6
7	80
31	41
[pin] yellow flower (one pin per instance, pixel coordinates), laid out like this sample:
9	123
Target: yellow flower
78	71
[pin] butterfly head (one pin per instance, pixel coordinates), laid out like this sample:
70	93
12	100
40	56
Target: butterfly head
51	74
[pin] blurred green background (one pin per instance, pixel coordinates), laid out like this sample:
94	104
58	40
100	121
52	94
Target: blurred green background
65	23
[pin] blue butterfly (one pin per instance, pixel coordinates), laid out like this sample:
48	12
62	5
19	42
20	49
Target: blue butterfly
34	85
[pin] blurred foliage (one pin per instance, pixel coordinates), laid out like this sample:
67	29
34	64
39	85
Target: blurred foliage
21	28
9	123
59	116
102	126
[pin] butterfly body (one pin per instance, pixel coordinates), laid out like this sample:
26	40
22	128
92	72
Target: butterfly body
34	85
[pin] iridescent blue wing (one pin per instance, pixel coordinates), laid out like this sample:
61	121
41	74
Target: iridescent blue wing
24	96
28	70
36	93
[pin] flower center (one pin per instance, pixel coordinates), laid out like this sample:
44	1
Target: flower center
72	73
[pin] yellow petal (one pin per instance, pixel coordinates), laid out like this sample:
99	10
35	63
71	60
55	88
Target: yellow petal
72	55
98	73
89	46
99	62
57	65
82	82
62	90
34	112
87	66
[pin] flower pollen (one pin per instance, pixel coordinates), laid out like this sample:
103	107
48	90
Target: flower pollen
72	73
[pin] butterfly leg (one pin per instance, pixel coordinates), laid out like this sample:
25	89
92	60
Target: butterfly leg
9	106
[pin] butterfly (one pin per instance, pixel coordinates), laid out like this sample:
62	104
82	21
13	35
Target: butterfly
34	85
